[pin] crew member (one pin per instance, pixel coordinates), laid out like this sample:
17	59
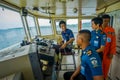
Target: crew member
110	47
90	67
98	37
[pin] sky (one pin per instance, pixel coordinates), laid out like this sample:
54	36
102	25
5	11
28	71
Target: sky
9	19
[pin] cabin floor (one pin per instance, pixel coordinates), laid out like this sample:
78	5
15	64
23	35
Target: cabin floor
67	60
114	72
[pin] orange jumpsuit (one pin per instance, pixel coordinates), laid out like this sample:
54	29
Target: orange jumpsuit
110	48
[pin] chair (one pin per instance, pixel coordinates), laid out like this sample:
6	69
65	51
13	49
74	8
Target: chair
66	53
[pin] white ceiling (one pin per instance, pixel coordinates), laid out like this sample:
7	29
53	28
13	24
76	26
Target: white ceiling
69	8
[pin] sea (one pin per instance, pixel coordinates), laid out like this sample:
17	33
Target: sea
12	36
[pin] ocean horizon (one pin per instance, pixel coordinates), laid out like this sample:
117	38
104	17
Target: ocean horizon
12	36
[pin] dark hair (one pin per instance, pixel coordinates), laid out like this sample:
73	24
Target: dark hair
105	16
87	34
98	20
62	22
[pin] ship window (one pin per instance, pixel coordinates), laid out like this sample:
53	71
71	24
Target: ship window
45	27
11	28
58	29
86	24
73	25
111	21
31	24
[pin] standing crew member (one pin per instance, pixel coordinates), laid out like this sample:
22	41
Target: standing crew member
98	37
110	47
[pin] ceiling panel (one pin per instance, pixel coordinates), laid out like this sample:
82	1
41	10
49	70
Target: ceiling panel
105	3
72	8
63	7
89	7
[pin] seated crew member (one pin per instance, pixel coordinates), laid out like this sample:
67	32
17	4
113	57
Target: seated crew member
98	37
67	36
90	67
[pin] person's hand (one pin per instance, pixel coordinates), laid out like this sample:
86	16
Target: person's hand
71	78
63	46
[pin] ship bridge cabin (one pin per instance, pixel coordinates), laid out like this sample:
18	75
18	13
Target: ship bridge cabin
29	28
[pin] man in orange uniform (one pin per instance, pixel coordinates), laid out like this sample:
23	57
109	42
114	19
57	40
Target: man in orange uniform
110	47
